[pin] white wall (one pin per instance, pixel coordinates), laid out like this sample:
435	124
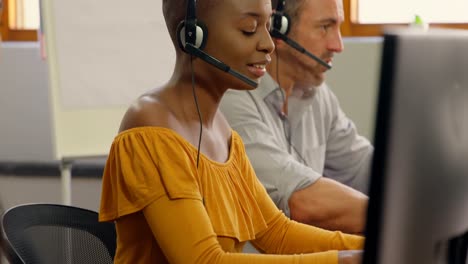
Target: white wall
355	78
25	114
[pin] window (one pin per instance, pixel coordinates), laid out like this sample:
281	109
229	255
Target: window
19	20
24	14
2	12
404	11
369	17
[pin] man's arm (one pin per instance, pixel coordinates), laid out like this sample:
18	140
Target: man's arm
330	205
328	202
283	176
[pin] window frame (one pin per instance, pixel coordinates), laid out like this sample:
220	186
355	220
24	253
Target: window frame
354	29
349	27
9	34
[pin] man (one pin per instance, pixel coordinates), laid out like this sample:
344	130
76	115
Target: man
298	133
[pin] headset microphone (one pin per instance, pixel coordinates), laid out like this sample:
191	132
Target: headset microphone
192	35
280	28
276	34
190	48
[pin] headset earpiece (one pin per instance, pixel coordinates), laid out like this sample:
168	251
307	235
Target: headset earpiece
200	36
191	37
280	22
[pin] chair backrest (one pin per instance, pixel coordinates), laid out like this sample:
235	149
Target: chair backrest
52	233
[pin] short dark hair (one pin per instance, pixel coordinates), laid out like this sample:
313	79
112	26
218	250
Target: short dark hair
174	11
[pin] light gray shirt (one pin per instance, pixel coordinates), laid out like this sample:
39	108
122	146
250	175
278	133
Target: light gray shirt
291	152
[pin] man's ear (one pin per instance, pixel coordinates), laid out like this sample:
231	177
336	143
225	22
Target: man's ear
279	43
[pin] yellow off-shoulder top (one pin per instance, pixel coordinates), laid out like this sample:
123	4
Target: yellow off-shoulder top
167	210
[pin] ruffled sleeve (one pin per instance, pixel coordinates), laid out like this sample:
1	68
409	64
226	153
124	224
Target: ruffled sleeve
143	165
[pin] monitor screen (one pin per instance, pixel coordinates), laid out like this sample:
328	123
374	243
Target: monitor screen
418	198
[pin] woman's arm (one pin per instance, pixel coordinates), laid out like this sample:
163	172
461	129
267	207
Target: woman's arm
183	230
285	236
350	257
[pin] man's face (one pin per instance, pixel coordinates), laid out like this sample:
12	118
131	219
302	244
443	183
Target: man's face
317	29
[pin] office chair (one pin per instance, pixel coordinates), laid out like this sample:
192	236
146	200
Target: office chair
52	233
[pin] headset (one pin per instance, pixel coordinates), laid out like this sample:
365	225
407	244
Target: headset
191	37
280	28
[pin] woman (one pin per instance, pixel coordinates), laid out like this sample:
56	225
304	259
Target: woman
176	199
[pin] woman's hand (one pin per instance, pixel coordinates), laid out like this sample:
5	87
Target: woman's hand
350	257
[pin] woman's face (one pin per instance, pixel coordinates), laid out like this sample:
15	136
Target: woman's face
238	35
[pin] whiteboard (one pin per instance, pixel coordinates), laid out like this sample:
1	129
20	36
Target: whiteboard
101	55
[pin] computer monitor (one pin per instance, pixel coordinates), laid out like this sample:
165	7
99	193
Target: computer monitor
418	198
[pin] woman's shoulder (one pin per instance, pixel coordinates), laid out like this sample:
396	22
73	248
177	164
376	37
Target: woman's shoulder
147	110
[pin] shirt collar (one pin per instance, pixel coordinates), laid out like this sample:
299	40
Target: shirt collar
274	96
267	86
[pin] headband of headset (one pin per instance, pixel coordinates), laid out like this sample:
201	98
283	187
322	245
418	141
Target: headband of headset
280	19
191	30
